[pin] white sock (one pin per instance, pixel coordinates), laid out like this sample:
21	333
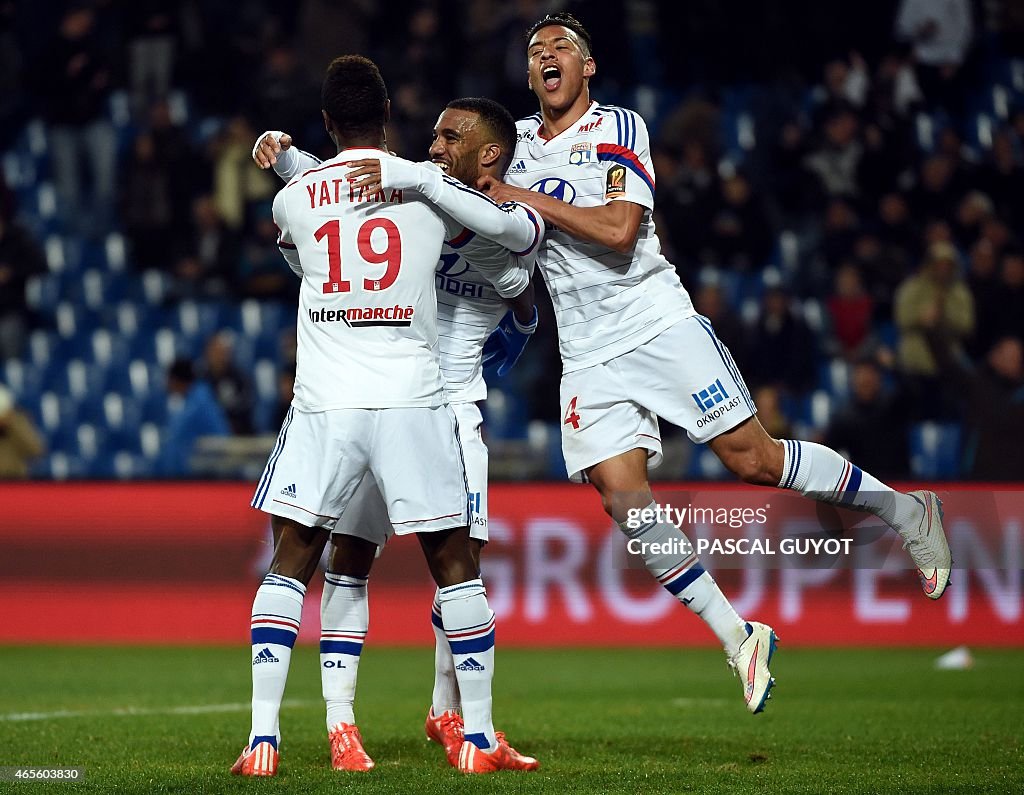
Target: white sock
678	570
344	619
822	474
469	627
446	686
276	614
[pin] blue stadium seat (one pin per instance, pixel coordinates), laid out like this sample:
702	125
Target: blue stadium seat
935	450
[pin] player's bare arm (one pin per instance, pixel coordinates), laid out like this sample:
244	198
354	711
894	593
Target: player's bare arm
614	224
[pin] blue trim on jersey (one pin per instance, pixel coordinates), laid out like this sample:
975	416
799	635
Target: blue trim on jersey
282	637
684	580
725	360
435	619
628	164
536	234
483	643
268	473
311	156
351	648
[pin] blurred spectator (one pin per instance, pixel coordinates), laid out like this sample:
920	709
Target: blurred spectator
871	427
1008	307
1001	178
935	195
939	31
841	228
795	189
740	237
836	160
152	27
236	182
177	155
850	310
206	266
20	441
74	86
992	396
147	205
232	387
896	227
781	349
936	296
769	412
195	413
284	96
711	302
20	258
983	282
285	393
845	84
12	94
972	212
686	202
262	273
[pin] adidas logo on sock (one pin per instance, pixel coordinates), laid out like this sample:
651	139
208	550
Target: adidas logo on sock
289	491
265	656
469	664
518	168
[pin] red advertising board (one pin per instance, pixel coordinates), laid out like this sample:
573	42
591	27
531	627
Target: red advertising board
179	563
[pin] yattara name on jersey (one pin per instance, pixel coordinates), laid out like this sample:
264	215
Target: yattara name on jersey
335	191
360	317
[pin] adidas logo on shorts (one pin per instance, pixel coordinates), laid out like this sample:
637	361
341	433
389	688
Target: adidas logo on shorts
469	664
289	491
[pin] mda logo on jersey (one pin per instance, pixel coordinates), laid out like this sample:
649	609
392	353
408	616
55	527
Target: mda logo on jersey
556	188
581	153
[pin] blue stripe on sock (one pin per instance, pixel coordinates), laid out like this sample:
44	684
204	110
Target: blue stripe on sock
853	486
274	579
483	643
799	457
282	637
684	580
341	647
479	739
263	738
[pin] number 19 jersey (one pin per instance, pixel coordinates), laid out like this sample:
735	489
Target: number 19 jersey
367	318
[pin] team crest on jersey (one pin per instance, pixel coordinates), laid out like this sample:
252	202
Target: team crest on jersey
615	185
581	153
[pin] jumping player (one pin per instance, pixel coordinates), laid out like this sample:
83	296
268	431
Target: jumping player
473	137
633	348
369	398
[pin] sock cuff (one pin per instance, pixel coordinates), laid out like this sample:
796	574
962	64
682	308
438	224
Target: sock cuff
288	586
636	532
795	465
345	581
463	590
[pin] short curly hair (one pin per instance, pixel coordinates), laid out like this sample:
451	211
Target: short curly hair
354	95
566	20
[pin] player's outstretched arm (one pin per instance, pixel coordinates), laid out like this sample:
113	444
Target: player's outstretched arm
516	228
274	148
614	224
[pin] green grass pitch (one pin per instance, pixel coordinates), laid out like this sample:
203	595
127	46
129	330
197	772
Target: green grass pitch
153	720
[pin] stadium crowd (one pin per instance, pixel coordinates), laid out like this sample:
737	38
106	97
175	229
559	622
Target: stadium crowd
840	190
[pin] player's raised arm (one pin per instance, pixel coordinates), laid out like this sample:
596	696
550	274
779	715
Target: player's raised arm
516	228
285	244
275	148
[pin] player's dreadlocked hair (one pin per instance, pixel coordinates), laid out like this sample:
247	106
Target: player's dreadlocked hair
566	20
496	118
354	95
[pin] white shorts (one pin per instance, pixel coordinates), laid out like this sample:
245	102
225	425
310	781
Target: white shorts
685	375
413	454
366	515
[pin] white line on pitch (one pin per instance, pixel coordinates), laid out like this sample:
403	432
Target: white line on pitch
198	709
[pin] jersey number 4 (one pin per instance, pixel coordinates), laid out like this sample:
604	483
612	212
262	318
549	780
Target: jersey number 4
391	255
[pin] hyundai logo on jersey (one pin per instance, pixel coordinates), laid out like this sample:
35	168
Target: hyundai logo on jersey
557	188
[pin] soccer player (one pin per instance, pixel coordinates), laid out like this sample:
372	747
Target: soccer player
473	137
634	349
369	397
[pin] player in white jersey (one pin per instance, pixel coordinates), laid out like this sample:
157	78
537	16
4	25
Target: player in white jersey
473	137
369	397
634	349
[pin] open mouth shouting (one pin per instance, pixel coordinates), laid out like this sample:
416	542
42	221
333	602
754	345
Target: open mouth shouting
444	165
552	77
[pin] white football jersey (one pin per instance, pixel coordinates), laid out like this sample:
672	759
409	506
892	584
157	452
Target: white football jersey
367	319
468	306
606	303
